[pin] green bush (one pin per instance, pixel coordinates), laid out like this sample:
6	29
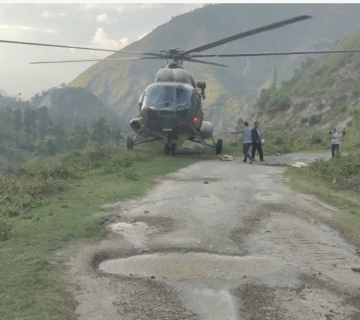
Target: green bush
279	101
341	171
5	229
315	119
316	138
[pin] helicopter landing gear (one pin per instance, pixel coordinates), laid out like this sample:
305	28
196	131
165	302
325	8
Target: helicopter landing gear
170	147
129	143
166	148
173	149
218	147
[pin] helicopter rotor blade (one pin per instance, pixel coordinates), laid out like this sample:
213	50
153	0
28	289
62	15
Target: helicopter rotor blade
74	47
243	35
88	60
206	62
273	53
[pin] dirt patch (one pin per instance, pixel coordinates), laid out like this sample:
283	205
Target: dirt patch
252	223
259	302
161	224
148	299
306	301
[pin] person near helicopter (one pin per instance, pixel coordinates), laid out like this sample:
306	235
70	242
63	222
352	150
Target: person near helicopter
256	139
335	142
246	141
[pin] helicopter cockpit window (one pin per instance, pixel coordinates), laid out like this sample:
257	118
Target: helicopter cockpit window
160	95
182	97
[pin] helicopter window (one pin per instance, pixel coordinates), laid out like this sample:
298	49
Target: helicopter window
160	95
195	101
182	97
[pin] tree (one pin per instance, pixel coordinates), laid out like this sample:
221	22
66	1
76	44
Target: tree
80	137
44	122
101	131
17	120
30	117
274	83
50	147
59	133
263	98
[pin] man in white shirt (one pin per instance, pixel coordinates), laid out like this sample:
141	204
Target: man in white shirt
335	142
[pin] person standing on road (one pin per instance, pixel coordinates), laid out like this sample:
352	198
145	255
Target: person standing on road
335	142
256	141
343	132
246	142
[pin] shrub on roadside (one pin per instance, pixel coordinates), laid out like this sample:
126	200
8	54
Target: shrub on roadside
5	229
341	171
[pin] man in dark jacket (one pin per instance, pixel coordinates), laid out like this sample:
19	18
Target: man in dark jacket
256	141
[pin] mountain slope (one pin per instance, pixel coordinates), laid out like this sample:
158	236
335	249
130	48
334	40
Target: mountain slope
68	104
323	94
231	92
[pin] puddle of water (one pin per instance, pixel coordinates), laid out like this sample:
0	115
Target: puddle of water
213	305
135	233
178	266
192	273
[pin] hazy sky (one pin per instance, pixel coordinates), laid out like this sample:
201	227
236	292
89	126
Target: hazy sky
111	25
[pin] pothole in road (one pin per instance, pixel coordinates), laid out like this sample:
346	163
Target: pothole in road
135	232
179	266
192	274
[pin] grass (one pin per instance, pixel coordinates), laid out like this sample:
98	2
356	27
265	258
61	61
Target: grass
30	270
337	183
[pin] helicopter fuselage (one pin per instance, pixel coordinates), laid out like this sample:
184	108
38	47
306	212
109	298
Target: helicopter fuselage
170	107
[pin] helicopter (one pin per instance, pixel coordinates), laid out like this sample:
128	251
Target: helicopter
170	109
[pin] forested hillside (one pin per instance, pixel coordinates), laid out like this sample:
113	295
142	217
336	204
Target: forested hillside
32	132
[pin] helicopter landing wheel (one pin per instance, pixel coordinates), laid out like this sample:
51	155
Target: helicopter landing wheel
166	148
219	146
173	149
129	143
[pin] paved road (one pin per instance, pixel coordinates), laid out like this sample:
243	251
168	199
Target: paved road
220	240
